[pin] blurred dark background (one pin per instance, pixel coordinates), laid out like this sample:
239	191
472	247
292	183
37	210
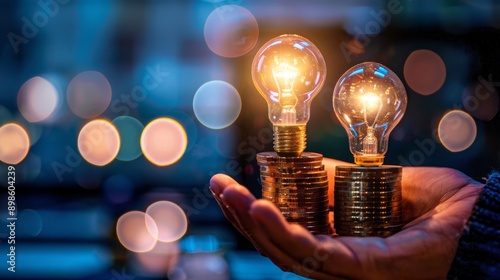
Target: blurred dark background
447	53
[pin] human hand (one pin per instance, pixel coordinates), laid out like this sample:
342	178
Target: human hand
436	204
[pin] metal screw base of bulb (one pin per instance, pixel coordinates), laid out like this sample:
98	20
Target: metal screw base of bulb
299	187
289	140
368	200
369	161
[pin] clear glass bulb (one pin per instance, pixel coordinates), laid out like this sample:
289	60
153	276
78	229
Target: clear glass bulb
369	100
289	71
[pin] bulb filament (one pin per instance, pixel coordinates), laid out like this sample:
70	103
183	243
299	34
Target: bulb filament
370	142
284	77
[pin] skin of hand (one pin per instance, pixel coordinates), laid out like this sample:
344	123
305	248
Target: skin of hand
436	205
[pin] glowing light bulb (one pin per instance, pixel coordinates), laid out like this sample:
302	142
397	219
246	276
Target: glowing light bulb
289	71
369	100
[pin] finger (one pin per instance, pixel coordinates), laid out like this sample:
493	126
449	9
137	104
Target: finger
237	200
322	258
217	185
227	213
424	188
240	200
225	187
219	182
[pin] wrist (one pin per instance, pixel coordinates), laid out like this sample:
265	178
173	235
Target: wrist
478	251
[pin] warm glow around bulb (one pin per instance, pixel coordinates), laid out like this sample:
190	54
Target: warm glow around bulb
369	100
289	71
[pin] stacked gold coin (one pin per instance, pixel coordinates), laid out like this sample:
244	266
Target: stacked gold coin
299	187
367	200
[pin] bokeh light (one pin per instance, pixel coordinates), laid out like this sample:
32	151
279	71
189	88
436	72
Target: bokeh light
189	124
163	141
99	142
14	143
480	99
133	233
209	266
231	31
118	189
37	99
34	130
424	72
457	130
200	244
217	104
89	94
160	259
170	220
130	130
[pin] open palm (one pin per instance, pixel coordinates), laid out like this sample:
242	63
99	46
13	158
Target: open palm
436	205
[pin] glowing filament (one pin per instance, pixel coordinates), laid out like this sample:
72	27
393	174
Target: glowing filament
370	142
284	77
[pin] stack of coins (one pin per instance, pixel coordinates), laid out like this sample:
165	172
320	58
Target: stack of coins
367	200
299	187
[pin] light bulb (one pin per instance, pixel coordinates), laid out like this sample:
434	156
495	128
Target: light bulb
369	100
289	71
